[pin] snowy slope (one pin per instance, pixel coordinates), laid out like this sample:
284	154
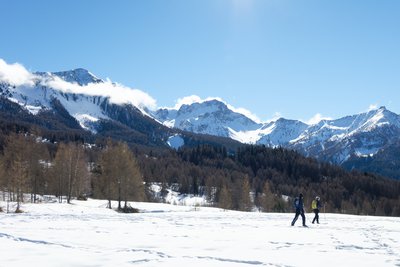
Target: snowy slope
85	97
86	109
79	76
207	117
88	234
281	132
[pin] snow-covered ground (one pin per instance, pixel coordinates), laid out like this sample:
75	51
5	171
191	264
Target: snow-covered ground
85	233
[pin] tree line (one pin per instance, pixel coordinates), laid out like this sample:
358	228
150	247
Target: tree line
251	177
269	178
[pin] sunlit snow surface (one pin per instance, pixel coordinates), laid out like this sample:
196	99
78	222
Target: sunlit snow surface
88	234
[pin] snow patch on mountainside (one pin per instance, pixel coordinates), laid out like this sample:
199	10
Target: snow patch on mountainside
169	124
176	141
247	137
34	110
86	120
364	152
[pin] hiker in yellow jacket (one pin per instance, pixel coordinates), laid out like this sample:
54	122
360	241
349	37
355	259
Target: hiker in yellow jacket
315	206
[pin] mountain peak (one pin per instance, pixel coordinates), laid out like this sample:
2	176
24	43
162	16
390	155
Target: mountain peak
214	103
202	103
79	75
380	110
384	116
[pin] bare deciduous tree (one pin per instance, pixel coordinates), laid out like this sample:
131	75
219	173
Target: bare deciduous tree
119	175
16	167
70	170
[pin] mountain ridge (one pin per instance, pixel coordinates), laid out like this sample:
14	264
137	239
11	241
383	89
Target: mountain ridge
335	140
60	111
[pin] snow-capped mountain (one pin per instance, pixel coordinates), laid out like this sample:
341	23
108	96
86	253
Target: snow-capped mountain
361	135
211	117
336	141
87	102
280	132
86	109
76	100
79	102
79	76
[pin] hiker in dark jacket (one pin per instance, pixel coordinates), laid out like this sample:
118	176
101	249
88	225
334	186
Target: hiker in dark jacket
315	206
299	206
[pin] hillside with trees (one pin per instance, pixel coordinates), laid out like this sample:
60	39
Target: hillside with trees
272	176
249	177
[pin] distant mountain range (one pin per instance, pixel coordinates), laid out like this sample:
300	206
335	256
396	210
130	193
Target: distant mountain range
360	135
68	99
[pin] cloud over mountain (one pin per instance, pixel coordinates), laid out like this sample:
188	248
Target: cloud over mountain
16	74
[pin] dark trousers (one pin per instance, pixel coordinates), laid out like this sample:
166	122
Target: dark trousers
316	217
299	212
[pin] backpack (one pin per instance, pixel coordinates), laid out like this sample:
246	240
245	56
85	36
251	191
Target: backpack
314	205
296	203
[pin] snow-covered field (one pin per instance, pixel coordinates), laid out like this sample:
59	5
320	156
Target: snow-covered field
85	233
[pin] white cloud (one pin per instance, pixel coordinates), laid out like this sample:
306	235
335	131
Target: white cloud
15	74
317	118
245	112
18	75
187	100
117	93
372	107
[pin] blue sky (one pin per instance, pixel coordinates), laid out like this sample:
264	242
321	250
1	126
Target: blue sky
293	58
